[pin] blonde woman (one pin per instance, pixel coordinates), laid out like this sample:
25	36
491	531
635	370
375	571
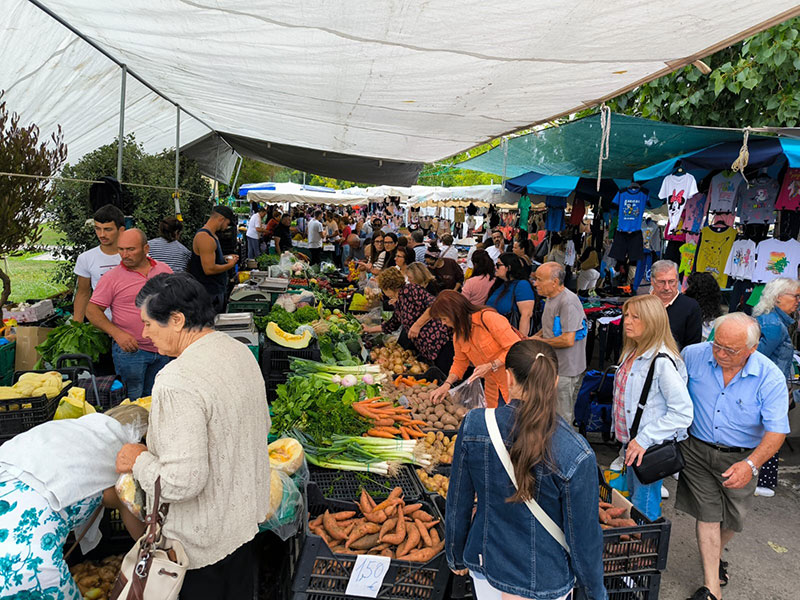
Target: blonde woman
668	410
421	275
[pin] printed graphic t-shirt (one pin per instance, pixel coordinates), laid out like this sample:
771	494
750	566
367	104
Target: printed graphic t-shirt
757	203
715	248
631	209
723	191
742	259
688	252
776	259
789	198
695	213
676	190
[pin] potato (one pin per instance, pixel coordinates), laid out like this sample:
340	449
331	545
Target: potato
439	410
438	425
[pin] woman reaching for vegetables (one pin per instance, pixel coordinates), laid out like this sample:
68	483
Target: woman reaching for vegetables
481	337
553	466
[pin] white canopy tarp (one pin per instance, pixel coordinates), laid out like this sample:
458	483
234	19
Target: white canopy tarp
490	194
294	193
413	81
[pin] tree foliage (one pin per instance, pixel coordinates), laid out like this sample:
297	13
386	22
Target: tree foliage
23	200
754	83
71	209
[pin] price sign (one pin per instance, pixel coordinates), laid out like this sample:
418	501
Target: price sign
368	575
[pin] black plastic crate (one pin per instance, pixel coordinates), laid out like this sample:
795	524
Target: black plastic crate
21	414
638	586
347	485
272	388
323	575
259	308
628	550
276	360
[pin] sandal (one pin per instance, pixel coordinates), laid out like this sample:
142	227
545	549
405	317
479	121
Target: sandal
723	573
703	593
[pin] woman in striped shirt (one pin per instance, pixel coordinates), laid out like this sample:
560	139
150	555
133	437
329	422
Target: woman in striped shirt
167	248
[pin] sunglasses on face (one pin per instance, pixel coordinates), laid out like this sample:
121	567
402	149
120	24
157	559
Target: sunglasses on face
498	265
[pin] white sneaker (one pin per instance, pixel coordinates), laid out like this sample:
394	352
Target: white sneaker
675	476
664	491
617	465
765	492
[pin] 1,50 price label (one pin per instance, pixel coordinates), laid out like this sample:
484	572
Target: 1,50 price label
368	575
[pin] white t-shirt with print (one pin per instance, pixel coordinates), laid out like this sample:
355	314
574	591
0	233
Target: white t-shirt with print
93	264
252	226
676	190
776	259
741	260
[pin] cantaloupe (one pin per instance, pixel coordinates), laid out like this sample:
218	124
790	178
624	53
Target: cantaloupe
288	340
286	454
275	494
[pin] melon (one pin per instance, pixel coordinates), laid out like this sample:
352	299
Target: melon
275	494
286	454
288	340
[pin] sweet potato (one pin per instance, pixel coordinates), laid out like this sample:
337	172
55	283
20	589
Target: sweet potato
360	531
435	536
410	543
344	515
615	513
315	522
622	522
387	552
422	516
363	502
399	535
603	516
320	531
366	542
332	527
387	527
423	532
376	516
411	508
425	554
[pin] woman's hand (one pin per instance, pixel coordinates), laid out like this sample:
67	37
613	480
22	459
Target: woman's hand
127	457
480	371
414	330
373	329
634	452
460	571
439	393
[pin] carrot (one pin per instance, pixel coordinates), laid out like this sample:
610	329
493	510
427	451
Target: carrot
361	531
376	516
344	515
399	535
380	434
364	411
425	554
332	527
418	423
379	404
414	432
393	431
404	434
398	380
403	419
384	422
387	526
423	532
407	510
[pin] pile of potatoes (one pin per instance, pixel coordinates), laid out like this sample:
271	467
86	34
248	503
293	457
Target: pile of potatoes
437	483
439	446
445	415
394	359
96	578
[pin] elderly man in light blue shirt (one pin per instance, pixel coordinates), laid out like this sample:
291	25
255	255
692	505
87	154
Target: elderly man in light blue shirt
740	421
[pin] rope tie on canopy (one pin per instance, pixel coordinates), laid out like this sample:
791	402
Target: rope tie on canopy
605	134
741	161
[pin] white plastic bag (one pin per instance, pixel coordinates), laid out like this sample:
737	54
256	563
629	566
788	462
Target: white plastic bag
287	519
132	495
469	394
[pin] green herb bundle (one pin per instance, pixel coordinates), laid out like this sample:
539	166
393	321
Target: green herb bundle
73	338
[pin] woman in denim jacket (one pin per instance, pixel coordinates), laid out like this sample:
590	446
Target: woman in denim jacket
668	411
508	552
775	313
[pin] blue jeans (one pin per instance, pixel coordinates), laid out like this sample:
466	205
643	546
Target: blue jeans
253	247
642	268
646	498
137	369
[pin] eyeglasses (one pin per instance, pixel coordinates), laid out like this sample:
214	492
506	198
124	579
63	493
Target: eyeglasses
725	349
796	296
498	265
388	242
665	282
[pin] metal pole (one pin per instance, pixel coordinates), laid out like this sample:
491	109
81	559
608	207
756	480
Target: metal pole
121	138
176	194
236	177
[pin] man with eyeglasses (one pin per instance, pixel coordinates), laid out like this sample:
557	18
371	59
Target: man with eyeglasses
498	246
740	421
685	315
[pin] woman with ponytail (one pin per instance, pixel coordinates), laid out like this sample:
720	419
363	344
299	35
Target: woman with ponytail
508	552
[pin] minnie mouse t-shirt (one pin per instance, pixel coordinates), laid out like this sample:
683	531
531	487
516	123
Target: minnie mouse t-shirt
676	190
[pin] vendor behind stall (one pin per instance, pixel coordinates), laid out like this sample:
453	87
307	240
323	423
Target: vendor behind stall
55	478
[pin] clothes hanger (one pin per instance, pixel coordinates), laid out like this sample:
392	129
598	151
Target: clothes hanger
634	186
679	170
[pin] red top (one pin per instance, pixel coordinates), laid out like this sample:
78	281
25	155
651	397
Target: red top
117	289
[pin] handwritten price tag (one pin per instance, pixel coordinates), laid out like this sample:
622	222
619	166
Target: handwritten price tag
368	575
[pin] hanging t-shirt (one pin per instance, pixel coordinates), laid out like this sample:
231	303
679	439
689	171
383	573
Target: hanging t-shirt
757	203
578	210
723	191
688	252
651	235
775	258
789	198
695	213
670	232
631	209
727	219
676	190
555	212
715	248
524	209
742	259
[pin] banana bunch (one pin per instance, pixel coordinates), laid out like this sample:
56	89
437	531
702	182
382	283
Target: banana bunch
31	385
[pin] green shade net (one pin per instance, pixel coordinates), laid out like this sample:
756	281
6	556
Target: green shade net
573	149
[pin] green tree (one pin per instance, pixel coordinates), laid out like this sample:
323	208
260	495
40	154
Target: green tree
754	82
23	200
72	212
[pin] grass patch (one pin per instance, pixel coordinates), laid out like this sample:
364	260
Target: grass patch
32	279
50	237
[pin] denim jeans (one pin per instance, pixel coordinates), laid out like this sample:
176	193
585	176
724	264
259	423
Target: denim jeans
642	269
253	247
137	369
645	497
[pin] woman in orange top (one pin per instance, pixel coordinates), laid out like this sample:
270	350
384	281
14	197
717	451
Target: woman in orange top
482	337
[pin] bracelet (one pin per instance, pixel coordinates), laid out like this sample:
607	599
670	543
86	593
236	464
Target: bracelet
752	466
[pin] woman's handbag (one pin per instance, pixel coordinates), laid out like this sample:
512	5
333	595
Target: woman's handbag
663	459
155	567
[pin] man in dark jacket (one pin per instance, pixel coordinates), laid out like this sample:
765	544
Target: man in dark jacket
685	316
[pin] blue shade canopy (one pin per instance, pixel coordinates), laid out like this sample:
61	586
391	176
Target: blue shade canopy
572	149
560	185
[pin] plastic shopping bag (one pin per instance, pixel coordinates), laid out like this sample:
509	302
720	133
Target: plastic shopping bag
286	506
469	394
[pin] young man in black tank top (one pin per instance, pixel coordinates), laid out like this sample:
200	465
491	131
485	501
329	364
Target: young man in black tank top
207	264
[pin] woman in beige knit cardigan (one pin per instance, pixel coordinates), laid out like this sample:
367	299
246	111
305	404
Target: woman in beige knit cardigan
207	439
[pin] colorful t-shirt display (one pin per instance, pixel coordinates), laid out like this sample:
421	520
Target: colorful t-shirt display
688	252
723	191
775	258
555	213
631	209
676	190
695	213
742	259
712	256
789	198
757	202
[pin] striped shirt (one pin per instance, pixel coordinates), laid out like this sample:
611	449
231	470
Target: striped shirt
175	254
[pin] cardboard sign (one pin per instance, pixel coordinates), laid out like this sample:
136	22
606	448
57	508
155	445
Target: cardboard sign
27	340
367	576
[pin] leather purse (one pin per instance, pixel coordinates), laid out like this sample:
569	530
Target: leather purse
155	567
660	460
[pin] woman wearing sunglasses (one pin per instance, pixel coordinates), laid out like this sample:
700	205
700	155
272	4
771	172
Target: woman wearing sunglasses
511	293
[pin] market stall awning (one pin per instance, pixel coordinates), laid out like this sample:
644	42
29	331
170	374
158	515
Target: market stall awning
294	193
490	194
573	149
410	82
272	186
559	185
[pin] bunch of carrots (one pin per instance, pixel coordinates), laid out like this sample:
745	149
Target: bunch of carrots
390	528
389	421
411	382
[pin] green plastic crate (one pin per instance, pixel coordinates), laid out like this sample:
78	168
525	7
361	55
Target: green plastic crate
256	350
7	355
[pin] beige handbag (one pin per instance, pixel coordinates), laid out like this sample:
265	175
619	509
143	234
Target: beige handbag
155	567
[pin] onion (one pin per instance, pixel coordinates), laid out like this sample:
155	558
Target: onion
368	379
349	381
336	379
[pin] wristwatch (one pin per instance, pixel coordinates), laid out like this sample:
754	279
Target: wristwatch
494	366
753	467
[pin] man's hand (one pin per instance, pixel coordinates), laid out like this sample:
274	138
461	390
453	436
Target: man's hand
537	335
373	329
232	260
480	371
460	571
126	341
634	452
738	476
127	457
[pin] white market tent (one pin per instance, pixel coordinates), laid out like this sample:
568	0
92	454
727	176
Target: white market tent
359	90
294	193
488	194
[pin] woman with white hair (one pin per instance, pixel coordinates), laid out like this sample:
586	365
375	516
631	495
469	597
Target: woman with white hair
775	313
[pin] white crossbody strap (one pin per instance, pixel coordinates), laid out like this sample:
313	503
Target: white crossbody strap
533	506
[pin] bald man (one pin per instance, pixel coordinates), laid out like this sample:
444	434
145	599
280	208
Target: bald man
136	359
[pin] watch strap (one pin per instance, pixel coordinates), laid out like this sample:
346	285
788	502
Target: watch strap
752	466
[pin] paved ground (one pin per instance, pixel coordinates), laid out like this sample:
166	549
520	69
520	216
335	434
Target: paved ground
764	559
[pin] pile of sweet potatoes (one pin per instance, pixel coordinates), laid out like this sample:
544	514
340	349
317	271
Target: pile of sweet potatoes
390	528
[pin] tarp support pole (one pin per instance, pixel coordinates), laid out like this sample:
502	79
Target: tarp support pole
177	144
236	177
121	138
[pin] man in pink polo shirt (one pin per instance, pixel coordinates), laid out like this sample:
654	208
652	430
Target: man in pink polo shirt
136	359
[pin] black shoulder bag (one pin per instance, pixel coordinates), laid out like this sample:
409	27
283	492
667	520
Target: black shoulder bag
663	459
